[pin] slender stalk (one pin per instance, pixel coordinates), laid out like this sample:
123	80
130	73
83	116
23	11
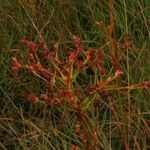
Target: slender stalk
128	76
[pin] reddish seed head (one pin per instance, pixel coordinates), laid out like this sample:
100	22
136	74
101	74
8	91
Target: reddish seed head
91	54
69	95
32	97
101	68
100	53
110	29
38	66
56	102
15	62
80	65
32	46
44	96
49	101
52	81
91	90
65	93
146	84
52	101
83	138
95	137
101	23
103	86
65	72
56	46
46	53
73	147
77	128
75	106
14	59
42	44
118	73
127	44
24	42
60	92
72	57
109	79
31	57
30	69
15	70
77	42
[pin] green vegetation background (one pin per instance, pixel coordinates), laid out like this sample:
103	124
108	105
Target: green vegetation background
26	126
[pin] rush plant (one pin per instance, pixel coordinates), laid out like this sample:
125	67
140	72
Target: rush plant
85	95
61	78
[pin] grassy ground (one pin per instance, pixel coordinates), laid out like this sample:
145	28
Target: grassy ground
24	125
